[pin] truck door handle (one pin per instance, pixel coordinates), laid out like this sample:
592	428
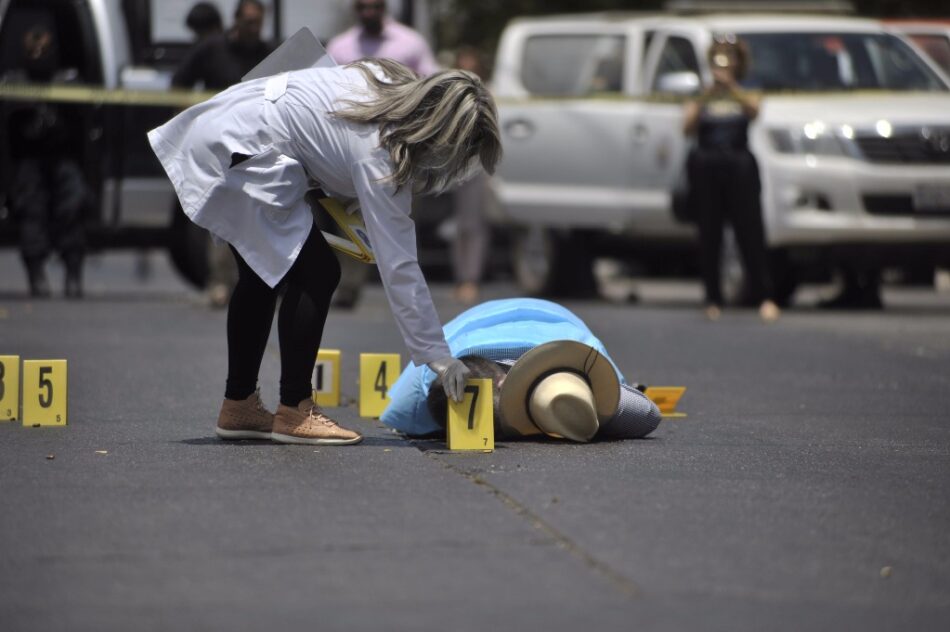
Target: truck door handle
519	129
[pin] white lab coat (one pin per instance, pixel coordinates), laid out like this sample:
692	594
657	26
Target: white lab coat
283	124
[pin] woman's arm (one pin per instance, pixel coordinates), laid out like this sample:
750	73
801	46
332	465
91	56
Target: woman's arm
690	117
392	235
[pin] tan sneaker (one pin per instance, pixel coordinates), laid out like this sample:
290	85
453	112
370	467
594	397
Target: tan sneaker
245	419
307	424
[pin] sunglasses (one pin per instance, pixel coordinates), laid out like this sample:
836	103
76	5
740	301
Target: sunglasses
725	38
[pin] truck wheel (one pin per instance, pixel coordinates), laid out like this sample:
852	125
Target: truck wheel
785	278
188	249
550	264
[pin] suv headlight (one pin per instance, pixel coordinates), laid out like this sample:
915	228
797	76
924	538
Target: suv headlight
812	138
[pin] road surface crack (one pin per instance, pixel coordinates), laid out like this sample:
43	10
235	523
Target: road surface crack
618	580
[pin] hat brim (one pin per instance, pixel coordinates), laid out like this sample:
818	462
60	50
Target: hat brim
551	357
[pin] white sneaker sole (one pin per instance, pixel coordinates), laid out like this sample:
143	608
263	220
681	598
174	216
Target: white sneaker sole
282	438
241	434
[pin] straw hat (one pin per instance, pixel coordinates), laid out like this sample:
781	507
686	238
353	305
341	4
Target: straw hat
562	388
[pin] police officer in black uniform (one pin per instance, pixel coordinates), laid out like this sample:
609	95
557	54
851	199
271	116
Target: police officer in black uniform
49	193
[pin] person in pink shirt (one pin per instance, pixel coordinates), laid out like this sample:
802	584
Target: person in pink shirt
378	35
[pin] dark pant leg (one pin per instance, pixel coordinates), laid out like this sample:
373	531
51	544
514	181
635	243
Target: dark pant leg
745	214
30	201
250	315
303	313
66	210
706	198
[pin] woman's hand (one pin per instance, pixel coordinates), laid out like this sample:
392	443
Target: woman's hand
453	374
724	81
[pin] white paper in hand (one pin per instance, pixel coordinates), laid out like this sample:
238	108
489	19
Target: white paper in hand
301	50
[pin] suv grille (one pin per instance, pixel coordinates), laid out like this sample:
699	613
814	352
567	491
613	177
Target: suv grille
899	204
928	145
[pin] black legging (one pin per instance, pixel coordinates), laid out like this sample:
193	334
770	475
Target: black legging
724	186
307	289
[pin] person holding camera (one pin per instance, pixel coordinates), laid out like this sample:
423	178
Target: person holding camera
723	175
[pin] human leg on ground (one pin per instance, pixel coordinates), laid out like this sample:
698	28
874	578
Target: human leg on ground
70	196
250	315
303	313
470	245
706	197
745	213
30	202
310	284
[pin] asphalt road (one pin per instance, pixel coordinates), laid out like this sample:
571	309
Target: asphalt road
806	490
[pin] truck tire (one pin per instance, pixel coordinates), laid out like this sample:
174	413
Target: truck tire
188	249
547	263
785	278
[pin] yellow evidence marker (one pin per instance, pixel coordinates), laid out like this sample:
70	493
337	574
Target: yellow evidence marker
9	387
44	392
666	398
471	425
326	378
378	372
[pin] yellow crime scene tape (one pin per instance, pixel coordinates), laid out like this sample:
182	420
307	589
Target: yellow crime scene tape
620	97
186	98
101	96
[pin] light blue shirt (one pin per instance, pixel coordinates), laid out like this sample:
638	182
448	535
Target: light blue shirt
497	330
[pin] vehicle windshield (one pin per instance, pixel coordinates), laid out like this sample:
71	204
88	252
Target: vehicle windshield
836	61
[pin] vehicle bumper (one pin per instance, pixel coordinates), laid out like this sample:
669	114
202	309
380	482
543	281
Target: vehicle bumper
819	201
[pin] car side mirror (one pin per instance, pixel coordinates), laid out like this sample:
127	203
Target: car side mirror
683	84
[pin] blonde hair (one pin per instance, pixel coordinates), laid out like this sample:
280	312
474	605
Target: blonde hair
436	129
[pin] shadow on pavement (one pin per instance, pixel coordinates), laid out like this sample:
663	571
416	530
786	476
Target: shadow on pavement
367	441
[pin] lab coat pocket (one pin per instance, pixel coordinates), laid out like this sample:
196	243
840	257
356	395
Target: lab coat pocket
274	180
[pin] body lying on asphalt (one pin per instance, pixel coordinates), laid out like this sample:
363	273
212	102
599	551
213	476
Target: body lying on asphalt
551	376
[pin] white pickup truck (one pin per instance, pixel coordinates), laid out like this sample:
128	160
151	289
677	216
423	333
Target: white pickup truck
853	141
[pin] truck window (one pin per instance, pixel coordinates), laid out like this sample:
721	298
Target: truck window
678	55
937	46
573	65
831	61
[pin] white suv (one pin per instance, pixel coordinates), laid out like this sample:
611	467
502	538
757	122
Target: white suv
853	138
